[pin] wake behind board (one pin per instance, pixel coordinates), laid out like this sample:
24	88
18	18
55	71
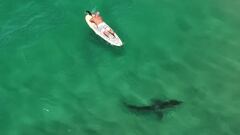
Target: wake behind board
113	40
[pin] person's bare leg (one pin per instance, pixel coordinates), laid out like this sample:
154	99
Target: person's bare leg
106	33
111	32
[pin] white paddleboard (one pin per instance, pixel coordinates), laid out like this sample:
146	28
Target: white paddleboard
113	40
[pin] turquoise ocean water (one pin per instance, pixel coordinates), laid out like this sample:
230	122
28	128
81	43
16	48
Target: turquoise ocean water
58	78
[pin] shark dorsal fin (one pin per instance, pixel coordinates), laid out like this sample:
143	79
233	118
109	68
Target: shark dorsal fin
156	101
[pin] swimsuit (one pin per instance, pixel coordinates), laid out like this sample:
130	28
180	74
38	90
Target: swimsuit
102	27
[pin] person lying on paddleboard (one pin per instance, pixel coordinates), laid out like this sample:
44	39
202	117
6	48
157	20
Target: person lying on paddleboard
101	25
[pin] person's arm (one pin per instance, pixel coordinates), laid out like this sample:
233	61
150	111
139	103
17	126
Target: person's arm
91	20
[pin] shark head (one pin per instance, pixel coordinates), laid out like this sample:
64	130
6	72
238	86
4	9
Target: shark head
175	102
159	105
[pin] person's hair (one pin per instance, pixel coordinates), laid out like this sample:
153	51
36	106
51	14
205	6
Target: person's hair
89	12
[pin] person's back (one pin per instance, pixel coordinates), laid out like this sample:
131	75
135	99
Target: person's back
97	19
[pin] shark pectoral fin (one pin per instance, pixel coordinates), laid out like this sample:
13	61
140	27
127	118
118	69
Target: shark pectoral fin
159	114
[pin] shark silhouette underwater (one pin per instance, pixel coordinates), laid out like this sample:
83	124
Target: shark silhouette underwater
157	107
